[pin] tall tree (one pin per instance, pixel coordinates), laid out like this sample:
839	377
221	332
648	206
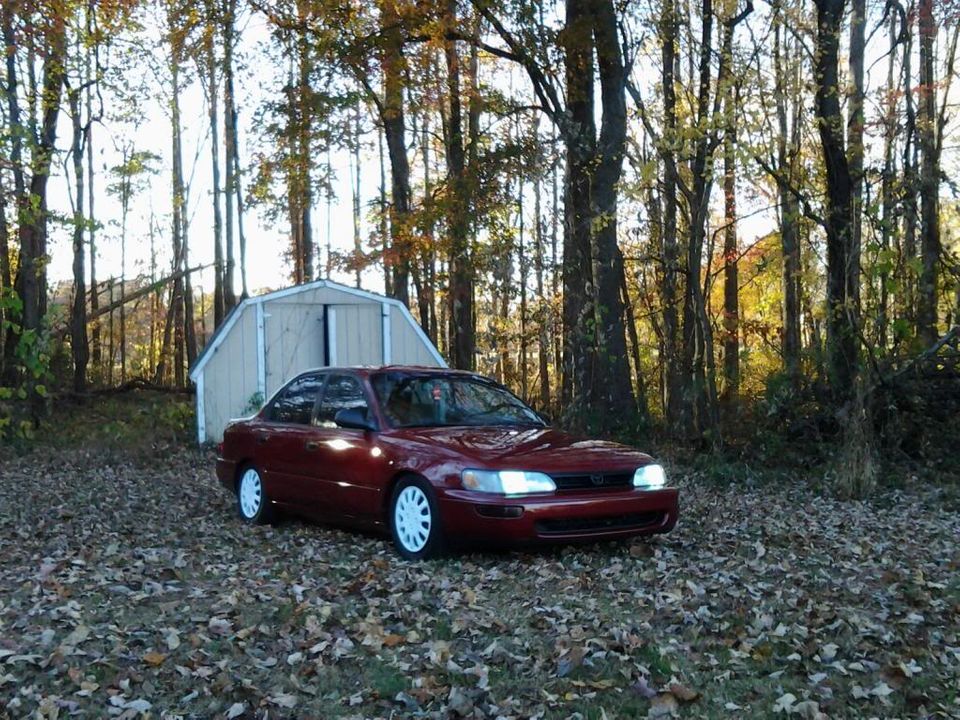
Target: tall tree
462	332
79	342
32	203
929	177
731	249
228	24
842	292
92	71
787	86
208	66
670	250
613	367
391	107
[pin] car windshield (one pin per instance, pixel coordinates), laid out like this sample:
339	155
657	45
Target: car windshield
448	400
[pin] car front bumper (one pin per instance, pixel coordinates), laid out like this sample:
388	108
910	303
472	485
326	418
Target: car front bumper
559	517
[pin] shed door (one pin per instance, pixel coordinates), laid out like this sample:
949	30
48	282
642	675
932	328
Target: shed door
293	339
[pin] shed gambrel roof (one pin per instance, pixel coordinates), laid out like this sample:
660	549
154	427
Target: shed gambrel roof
231	319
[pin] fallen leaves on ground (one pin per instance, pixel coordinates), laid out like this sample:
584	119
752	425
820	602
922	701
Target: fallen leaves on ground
129	589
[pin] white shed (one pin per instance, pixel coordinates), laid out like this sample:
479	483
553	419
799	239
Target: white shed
266	340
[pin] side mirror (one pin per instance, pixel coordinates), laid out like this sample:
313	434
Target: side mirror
544	417
354	418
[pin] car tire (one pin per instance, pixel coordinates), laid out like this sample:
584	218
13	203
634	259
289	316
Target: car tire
253	503
415	520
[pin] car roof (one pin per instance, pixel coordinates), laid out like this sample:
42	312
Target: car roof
372	369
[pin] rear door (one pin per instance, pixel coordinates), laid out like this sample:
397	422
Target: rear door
285	442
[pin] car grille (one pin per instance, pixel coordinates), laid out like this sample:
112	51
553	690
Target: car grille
593	481
558	526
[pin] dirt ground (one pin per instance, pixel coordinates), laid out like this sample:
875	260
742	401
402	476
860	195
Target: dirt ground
129	588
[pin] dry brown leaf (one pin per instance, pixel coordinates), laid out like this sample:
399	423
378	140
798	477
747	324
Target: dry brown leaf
154	659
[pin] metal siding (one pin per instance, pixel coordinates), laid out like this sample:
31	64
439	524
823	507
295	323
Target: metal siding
359	334
325	296
408	349
293	333
230	376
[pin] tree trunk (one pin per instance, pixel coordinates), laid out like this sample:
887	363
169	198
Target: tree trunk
699	414
304	134
238	191
579	137
543	344
384	237
555	278
393	66
788	148
355	192
328	265
842	295
612	393
78	317
5	270
889	230
426	296
230	151
524	266
855	149
32	210
643	410
5	279
731	249
929	179
670	252
16	163
178	199
219	309
160	373
124	212
458	208
111	354
95	355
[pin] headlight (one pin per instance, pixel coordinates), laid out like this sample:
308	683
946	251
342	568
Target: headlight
650	477
507	482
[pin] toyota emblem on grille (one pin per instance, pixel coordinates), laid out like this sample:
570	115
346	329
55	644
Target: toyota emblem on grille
596	479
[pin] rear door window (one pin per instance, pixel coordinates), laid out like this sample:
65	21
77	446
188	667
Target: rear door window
294	405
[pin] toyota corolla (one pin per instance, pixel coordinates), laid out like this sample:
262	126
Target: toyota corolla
436	458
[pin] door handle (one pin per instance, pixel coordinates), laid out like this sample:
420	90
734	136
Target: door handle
311	445
261	439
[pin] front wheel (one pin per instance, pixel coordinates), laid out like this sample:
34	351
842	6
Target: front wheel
252	501
415	520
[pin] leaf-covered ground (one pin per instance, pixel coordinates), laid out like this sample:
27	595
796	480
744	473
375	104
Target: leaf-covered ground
129	588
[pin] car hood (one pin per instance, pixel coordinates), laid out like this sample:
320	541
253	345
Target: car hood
519	448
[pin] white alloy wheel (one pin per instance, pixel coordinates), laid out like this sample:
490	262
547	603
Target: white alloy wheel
412	519
250	494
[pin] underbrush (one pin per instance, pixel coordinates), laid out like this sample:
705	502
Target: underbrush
131	423
889	437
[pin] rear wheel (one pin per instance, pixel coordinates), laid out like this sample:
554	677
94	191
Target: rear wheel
252	502
415	520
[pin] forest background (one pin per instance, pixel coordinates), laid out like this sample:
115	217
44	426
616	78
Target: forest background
725	225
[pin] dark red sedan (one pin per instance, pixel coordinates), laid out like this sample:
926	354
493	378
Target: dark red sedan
439	457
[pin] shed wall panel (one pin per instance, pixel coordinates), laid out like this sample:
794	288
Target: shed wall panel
408	348
359	334
230	377
293	334
325	296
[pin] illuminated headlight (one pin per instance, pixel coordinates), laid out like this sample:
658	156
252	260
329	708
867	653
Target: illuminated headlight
650	477
507	482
